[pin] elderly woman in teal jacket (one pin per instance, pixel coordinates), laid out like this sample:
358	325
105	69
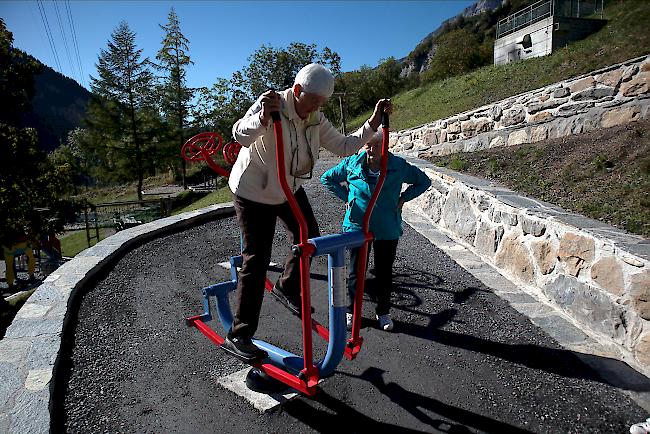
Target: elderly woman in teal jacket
360	172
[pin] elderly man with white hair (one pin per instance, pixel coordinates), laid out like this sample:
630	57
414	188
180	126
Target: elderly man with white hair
259	198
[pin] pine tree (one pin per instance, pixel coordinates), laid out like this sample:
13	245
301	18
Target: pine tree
123	93
173	59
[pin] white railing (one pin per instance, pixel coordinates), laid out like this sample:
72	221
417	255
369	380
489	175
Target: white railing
533	13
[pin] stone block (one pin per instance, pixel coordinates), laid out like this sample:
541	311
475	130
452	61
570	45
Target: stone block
620	116
497	142
607	273
576	252
561	92
487	238
10	382
629	72
534	108
642	349
573	109
443	136
639	85
496	112
611	78
593	93
458	215
518	137
30	413
514	257
533	227
454	127
639	294
545	256
589	306
582	84
514	116
538	133
540	117
505	217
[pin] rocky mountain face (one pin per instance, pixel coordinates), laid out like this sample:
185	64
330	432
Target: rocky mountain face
421	61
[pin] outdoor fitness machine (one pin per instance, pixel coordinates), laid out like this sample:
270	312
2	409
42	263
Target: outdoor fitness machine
292	370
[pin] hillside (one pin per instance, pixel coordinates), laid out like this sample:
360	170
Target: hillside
603	174
625	37
58	106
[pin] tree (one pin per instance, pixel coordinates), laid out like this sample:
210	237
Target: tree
17	71
28	181
458	52
123	92
175	95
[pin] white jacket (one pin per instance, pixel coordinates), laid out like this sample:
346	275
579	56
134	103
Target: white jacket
254	175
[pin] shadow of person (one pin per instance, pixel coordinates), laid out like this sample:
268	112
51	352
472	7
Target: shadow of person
327	414
415	403
561	362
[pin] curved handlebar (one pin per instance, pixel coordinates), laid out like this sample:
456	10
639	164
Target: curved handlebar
202	146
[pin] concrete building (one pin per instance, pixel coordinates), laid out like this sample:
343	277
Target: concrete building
545	26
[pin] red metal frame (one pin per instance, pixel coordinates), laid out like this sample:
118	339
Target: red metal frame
310	372
202	146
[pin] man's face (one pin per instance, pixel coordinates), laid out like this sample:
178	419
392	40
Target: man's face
306	102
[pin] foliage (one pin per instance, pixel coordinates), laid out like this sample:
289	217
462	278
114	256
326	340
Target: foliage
31	187
121	114
458	52
16	78
174	93
219	107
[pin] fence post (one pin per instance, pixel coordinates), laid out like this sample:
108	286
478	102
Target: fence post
87	228
96	224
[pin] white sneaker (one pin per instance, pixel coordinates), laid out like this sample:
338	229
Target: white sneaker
385	323
348	321
641	428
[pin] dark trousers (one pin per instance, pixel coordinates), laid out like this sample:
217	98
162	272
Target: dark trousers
257	223
385	251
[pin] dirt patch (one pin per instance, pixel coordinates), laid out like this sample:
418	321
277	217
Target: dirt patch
603	174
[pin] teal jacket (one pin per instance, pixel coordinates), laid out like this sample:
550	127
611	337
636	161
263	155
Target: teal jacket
386	220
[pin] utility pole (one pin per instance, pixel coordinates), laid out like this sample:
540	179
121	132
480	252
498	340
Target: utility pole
341	96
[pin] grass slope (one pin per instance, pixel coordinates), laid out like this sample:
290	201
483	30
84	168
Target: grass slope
603	174
626	36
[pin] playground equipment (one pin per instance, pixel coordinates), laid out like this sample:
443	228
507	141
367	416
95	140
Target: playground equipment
292	370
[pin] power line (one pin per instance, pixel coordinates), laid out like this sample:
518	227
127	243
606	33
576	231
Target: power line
74	40
65	40
48	31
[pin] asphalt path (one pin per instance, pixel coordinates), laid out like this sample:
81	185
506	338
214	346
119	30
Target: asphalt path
460	359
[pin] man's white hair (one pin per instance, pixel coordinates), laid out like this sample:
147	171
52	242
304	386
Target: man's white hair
315	78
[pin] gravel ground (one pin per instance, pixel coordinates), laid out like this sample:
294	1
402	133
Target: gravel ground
460	359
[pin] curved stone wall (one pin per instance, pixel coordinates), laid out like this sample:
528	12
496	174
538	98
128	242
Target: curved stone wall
611	96
30	350
597	274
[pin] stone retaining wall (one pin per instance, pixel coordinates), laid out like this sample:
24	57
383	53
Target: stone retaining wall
30	350
611	96
598	275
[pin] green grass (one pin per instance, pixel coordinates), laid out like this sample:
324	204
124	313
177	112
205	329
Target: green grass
219	196
74	242
626	36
